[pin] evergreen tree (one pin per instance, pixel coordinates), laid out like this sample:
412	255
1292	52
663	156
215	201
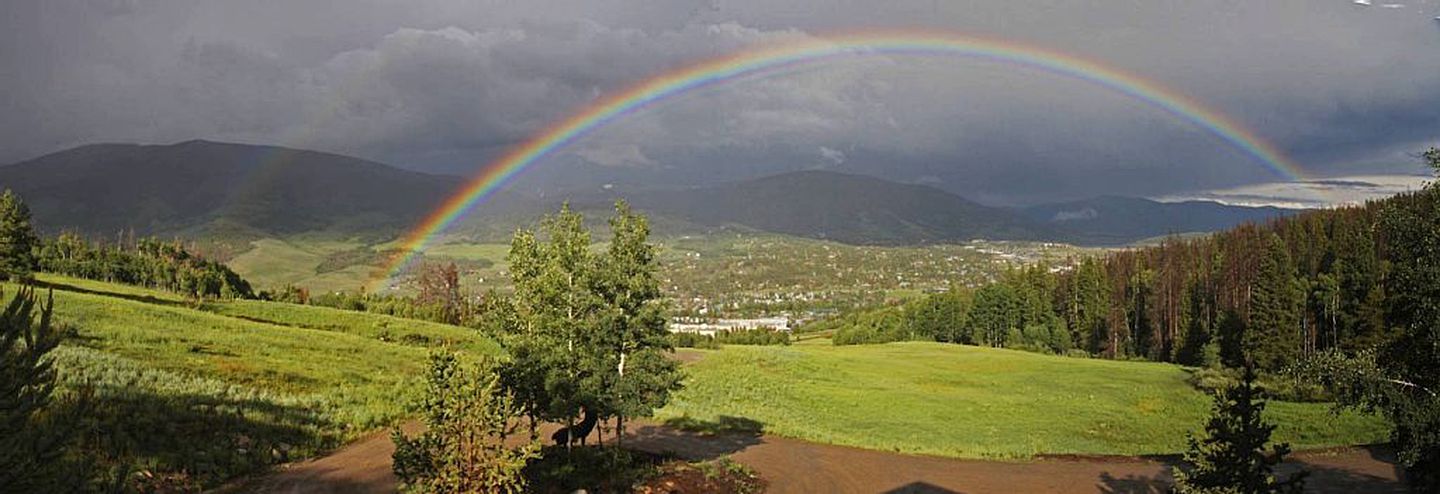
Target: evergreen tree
1408	388
467	420
1272	338
1232	458
1089	302
995	315
33	434
17	238
941	317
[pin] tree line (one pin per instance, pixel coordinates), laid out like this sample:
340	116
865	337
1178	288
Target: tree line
1271	292
148	262
1346	297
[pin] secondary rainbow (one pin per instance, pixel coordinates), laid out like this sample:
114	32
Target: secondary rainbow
815	50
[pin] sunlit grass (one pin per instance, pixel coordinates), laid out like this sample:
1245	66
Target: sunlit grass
962	401
241	377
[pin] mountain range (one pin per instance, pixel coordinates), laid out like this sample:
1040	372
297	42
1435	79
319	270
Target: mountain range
198	188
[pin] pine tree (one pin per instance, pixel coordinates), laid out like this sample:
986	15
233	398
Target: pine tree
1272	339
17	238
468	418
1232	458
1408	388
1090	301
33	434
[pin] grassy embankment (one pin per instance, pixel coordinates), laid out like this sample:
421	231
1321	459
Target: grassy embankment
971	402
230	387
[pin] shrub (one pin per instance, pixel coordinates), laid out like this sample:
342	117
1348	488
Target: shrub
693	340
755	336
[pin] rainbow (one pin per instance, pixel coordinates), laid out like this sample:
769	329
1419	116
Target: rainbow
814	50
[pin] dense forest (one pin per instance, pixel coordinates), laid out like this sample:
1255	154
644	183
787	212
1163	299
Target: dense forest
1271	292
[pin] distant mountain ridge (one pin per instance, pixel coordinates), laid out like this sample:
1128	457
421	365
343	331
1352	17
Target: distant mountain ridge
1121	220
198	188
846	208
104	188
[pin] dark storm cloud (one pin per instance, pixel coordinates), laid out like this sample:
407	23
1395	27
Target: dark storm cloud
447	85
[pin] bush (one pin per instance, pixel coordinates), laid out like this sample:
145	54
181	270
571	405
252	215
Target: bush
693	340
881	325
756	336
1278	387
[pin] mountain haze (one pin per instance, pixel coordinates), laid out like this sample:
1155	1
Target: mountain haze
1113	220
203	188
163	189
853	209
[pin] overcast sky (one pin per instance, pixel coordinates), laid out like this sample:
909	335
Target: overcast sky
444	86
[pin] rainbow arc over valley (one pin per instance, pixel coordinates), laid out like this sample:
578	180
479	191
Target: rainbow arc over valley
762	59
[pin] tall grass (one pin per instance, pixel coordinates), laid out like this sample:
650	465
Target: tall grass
226	388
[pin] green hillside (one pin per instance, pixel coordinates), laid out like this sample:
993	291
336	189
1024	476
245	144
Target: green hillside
973	402
231	387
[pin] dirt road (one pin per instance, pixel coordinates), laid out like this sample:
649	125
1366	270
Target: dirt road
793	466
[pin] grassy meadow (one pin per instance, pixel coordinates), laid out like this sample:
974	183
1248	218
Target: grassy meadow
226	388
232	386
972	402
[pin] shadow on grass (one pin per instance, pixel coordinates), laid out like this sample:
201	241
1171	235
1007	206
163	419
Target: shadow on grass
195	440
697	440
723	424
147	299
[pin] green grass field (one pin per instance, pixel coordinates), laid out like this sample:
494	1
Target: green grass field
961	401
232	386
229	387
272	263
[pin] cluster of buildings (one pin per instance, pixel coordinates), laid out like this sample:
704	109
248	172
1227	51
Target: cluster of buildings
712	326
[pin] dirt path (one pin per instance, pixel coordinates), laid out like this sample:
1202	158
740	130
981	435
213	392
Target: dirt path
793	466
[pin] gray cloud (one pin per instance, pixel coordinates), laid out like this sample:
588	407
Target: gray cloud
447	85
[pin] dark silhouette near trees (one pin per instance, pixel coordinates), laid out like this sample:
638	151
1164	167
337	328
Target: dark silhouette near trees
578	432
